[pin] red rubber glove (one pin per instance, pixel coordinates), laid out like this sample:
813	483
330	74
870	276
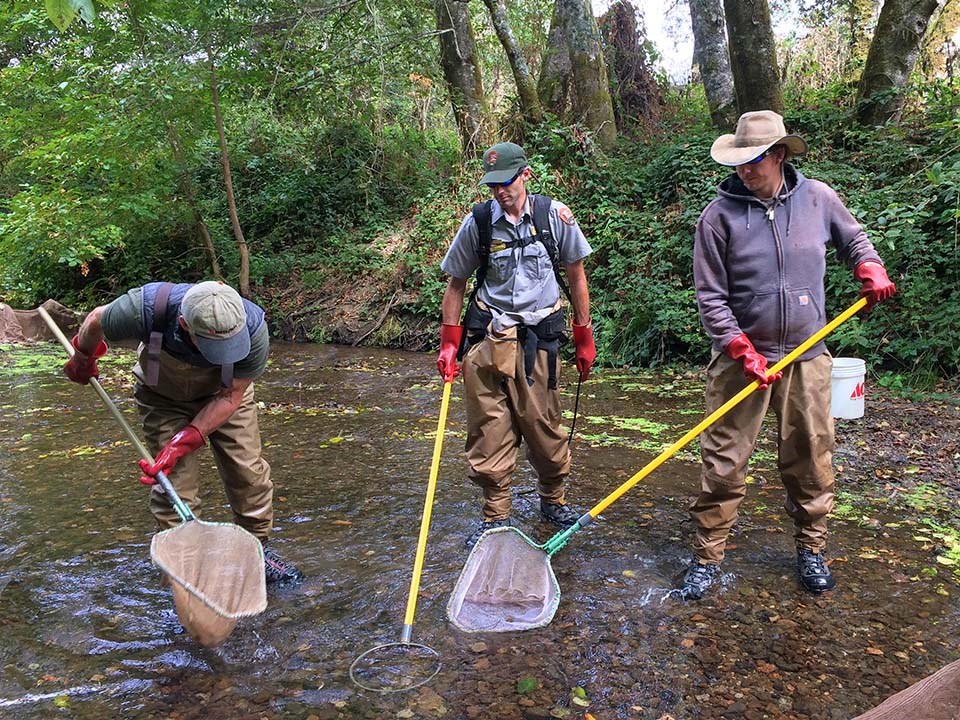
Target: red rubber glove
183	443
876	287
81	367
586	350
450	337
754	364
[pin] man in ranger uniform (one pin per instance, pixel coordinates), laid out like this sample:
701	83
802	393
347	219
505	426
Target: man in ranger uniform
201	348
758	265
514	325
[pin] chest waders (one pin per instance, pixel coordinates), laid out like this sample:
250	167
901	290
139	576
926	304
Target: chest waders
508	582
548	334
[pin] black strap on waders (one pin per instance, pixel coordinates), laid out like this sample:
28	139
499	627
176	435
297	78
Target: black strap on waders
483	219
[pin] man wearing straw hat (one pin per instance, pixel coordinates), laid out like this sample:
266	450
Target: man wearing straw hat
759	265
201	347
515	323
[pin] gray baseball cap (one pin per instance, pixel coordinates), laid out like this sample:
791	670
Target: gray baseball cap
216	317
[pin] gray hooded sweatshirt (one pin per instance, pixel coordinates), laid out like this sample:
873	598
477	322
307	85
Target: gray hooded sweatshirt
759	271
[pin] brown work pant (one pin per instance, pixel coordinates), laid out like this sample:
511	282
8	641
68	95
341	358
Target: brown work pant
166	409
500	411
805	441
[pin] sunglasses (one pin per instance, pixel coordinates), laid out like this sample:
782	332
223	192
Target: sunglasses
508	182
758	159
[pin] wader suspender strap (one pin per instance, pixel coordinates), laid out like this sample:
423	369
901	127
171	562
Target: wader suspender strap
156	334
226	374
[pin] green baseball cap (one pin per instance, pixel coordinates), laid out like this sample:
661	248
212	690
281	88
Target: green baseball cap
502	162
216	317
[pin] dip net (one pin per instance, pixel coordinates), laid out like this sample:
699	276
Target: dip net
216	573
507	584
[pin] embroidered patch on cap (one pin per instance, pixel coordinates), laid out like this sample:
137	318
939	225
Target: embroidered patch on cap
492	159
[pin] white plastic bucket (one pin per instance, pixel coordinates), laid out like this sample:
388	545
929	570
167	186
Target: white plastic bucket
846	387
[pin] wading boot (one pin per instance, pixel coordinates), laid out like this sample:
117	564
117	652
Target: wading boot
560	514
473	537
278	570
698	578
814	574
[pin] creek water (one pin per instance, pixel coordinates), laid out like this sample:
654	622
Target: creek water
87	631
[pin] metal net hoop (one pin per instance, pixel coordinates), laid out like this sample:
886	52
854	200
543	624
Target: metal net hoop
395	667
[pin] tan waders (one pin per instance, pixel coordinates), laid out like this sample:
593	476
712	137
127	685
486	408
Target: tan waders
801	402
502	409
180	393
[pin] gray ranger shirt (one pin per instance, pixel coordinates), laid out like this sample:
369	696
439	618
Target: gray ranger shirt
520	286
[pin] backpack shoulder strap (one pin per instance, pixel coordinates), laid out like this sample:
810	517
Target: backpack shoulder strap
541	226
483	218
156	333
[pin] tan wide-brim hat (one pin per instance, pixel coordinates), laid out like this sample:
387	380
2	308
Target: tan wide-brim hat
756	132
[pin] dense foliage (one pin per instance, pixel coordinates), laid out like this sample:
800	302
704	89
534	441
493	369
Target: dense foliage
350	184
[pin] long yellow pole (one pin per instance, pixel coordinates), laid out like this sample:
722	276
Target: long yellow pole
560	539
425	519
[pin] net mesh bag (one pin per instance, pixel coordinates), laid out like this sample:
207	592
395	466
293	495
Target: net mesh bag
507	584
216	574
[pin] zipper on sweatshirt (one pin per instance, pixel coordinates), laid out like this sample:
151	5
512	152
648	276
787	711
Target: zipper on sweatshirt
771	213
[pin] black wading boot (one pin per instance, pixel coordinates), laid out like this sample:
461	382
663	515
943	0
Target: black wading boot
698	578
560	514
814	574
278	570
473	537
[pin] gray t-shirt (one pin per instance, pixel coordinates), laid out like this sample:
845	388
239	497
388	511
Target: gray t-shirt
123	320
520	282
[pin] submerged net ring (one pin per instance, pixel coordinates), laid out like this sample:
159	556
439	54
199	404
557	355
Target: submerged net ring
395	667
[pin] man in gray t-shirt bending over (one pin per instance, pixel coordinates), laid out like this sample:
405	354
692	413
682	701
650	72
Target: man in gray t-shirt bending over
201	348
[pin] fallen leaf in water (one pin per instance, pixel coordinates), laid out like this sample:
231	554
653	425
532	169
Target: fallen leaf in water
478	647
629	573
340	522
874	651
766	668
944	560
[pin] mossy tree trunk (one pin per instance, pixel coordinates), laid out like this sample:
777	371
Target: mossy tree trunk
711	57
574	76
526	86
753	55
553	86
893	53
461	69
